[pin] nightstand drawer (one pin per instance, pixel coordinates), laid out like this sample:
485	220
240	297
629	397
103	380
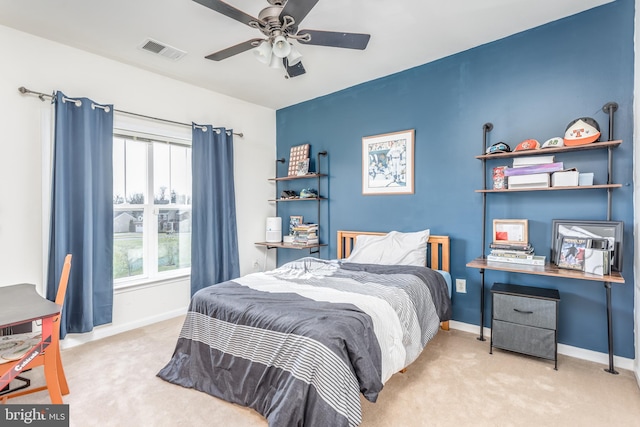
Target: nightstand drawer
524	339
523	310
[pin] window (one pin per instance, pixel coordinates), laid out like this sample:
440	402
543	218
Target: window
151	209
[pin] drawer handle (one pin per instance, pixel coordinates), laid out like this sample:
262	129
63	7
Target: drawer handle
522	311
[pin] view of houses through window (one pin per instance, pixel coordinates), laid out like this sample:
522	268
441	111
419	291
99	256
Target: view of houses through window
151	208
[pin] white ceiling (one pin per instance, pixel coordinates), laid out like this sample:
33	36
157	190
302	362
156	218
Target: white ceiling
404	34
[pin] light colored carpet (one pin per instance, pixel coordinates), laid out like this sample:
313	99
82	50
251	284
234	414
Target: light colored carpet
455	382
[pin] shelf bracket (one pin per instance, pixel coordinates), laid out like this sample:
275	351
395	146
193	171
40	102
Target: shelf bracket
318	170
610	108
486	128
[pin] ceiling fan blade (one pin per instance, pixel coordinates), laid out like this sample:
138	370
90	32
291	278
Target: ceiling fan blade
297	9
294	70
233	50
335	39
228	10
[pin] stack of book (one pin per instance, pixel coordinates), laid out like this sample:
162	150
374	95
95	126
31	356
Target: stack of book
531	171
305	234
515	254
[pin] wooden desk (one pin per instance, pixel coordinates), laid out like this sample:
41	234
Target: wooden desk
19	304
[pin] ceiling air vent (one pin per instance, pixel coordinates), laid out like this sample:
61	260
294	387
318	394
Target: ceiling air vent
162	49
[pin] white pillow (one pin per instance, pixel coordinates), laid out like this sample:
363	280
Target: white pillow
393	248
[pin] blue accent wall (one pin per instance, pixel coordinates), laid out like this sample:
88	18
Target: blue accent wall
529	85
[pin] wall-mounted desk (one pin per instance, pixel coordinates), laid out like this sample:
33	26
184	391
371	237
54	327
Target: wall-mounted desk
553	271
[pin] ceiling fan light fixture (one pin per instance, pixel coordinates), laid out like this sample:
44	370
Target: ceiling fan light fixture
281	47
263	52
279	24
276	63
294	56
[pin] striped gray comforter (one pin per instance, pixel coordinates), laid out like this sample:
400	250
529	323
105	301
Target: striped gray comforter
301	342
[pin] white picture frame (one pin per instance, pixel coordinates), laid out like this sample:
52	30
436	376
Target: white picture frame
388	163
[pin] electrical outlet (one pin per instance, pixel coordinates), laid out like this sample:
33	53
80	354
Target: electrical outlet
461	286
256	265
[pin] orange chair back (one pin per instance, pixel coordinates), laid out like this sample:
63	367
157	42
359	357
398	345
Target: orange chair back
64	280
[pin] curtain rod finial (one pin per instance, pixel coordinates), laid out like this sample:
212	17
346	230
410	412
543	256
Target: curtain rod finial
22	90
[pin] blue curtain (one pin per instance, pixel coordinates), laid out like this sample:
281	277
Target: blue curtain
214	241
82	212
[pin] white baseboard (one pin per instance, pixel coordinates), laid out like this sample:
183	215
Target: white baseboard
72	340
567	350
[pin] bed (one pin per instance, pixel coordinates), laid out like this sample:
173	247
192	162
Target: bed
300	343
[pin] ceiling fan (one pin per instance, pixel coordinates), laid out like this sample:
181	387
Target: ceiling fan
279	23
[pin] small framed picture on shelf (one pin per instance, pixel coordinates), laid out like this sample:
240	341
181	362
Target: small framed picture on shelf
303	167
511	231
297	154
572	253
294	221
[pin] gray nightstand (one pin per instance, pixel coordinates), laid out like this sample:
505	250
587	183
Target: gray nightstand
524	319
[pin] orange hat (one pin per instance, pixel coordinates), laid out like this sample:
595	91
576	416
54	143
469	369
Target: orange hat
528	144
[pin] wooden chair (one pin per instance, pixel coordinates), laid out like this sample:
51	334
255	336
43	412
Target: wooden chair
54	346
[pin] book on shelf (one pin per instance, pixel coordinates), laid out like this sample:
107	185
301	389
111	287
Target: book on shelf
534	260
510	254
305	228
532	160
305	234
305	243
526	247
531	169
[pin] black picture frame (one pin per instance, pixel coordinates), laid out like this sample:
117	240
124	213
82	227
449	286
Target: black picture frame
612	231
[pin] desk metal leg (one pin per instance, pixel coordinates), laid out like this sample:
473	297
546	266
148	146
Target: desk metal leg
611	370
481	337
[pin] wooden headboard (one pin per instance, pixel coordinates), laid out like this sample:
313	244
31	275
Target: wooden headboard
437	247
437	252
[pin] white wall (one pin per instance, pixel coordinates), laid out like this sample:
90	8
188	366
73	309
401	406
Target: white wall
44	66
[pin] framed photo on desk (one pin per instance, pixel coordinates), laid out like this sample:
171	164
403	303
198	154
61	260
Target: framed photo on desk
609	233
511	231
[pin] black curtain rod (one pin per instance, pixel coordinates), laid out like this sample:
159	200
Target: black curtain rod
23	90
